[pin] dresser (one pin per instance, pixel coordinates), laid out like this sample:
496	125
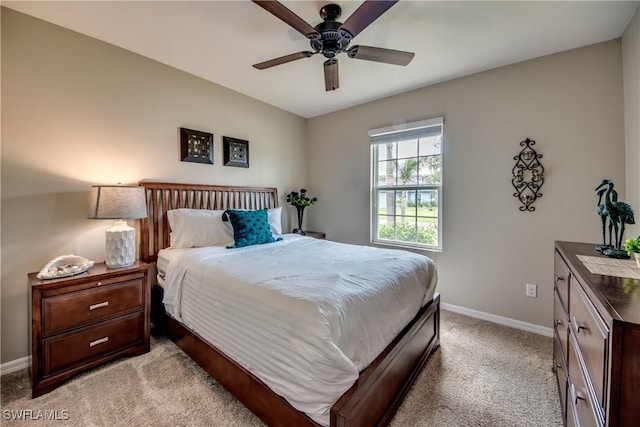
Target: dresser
596	346
85	320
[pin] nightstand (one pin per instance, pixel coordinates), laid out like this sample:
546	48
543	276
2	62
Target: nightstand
315	234
85	320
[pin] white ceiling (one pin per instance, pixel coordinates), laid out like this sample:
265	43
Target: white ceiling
220	40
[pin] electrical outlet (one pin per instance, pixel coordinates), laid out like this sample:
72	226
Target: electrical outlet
532	290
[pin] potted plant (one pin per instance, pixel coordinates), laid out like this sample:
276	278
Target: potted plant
632	246
300	200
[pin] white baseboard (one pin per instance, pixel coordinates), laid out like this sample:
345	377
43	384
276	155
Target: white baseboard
517	324
15	365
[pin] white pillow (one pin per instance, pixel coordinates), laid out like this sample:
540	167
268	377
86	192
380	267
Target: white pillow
275	221
194	228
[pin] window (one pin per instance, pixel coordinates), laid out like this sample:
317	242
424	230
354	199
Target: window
407	185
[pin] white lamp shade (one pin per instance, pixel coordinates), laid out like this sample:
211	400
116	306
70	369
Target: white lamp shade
117	202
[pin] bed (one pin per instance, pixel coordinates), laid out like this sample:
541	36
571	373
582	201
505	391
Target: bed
378	382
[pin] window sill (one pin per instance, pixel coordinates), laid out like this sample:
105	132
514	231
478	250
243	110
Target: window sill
410	247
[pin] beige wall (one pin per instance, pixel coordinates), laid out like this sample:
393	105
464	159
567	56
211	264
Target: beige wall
631	78
76	112
570	103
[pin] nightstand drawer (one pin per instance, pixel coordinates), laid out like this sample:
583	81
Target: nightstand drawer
66	350
76	309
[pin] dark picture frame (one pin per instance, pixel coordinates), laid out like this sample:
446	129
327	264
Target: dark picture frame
236	152
196	146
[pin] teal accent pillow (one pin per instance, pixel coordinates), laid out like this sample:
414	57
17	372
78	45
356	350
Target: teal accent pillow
250	227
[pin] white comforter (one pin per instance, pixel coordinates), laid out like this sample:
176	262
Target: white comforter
303	315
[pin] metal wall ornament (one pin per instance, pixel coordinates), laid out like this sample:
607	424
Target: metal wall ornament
528	175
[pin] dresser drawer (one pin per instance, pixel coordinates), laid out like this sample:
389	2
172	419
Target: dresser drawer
592	336
92	342
76	309
571	416
560	368
561	279
560	322
578	392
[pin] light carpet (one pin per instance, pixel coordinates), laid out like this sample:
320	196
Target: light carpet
483	374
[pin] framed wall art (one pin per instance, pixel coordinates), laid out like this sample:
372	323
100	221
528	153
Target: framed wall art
236	152
196	146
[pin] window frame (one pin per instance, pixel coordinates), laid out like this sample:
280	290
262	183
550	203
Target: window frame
396	134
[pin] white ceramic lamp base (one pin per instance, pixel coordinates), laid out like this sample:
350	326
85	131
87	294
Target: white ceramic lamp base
120	245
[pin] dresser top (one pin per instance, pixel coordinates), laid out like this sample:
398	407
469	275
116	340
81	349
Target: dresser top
619	296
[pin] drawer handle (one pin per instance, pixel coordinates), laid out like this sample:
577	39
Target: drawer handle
99	284
559	279
101	304
100	341
579	326
577	395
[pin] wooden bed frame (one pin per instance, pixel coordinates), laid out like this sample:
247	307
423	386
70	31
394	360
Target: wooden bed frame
381	387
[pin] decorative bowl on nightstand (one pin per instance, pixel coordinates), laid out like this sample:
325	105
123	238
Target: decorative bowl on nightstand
65	266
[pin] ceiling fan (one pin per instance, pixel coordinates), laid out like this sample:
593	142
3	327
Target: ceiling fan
332	37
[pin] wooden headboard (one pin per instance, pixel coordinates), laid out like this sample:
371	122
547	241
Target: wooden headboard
164	196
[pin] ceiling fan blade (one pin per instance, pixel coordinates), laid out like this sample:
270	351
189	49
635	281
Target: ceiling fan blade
283	60
331	74
379	54
279	11
368	12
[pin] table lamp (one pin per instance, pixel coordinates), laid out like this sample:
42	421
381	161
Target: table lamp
118	202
